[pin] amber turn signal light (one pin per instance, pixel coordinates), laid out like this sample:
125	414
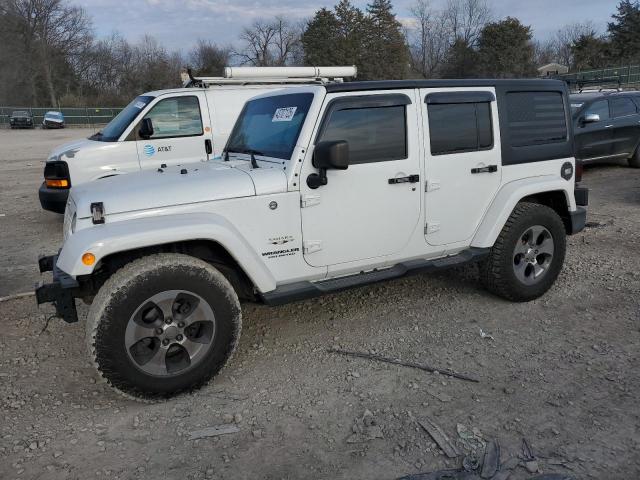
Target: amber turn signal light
62	183
88	259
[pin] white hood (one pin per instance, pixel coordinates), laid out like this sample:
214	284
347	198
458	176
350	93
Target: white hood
168	187
68	150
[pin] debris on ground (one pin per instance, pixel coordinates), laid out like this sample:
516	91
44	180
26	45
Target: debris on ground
471	462
443	475
530	462
470	438
594	225
365	429
484	334
439	437
491	460
213	431
426	368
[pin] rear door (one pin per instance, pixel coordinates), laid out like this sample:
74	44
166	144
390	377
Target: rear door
626	125
463	167
181	128
595	139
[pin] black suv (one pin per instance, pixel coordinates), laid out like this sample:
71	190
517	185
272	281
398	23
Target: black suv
21	119
607	126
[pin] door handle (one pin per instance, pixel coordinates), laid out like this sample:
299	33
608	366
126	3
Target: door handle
409	179
208	147
487	169
608	126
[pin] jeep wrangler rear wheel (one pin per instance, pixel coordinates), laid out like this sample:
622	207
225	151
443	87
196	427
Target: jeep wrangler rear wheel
163	324
528	254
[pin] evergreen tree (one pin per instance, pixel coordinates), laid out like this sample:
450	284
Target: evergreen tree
624	32
505	49
374	41
320	39
461	61
590	51
387	54
353	25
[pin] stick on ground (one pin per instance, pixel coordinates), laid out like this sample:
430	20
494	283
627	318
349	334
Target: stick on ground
426	368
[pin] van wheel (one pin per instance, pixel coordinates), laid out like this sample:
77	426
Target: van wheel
163	324
634	160
528	254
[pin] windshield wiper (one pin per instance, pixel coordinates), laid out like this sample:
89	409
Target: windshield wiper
96	136
249	151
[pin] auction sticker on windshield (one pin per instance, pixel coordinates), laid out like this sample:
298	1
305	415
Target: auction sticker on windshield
284	114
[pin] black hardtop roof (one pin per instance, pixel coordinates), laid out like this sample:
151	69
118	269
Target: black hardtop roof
442	83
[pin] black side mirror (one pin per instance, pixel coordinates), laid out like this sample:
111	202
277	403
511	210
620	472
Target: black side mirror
146	128
328	155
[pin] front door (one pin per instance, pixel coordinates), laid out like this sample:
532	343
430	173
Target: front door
180	129
372	208
626	125
594	139
463	168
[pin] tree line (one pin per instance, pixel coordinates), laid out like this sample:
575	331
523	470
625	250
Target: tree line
51	56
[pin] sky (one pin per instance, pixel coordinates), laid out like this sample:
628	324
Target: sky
177	24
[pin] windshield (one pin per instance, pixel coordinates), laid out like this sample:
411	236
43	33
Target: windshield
19	114
57	115
113	130
270	126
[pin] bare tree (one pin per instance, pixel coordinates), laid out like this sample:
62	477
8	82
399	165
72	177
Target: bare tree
52	33
209	59
428	41
544	52
465	19
567	36
268	43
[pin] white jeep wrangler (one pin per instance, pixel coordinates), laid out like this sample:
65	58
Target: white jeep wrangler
319	189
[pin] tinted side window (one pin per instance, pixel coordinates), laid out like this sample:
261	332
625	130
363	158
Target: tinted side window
374	134
601	107
459	127
535	118
176	117
621	107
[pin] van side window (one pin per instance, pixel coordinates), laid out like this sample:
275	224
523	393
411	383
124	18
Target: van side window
374	134
535	118
176	117
601	107
621	107
459	127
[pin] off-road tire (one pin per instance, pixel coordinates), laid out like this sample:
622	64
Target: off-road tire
124	292
634	160
497	271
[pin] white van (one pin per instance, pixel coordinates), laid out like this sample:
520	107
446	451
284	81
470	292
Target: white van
170	127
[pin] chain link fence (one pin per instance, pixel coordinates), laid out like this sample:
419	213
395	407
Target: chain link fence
90	117
624	77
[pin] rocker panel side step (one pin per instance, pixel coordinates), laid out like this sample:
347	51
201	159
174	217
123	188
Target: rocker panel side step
303	290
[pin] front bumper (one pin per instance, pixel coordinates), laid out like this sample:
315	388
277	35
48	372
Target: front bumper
61	292
53	199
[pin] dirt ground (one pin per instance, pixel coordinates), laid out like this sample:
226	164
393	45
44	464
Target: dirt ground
561	372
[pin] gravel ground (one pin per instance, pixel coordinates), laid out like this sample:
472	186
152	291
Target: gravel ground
561	371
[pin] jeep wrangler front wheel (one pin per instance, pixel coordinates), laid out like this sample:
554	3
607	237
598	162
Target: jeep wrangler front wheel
163	324
528	254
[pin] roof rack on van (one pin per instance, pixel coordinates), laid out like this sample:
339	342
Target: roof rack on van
271	75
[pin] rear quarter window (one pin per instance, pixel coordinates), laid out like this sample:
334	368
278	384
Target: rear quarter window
536	118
